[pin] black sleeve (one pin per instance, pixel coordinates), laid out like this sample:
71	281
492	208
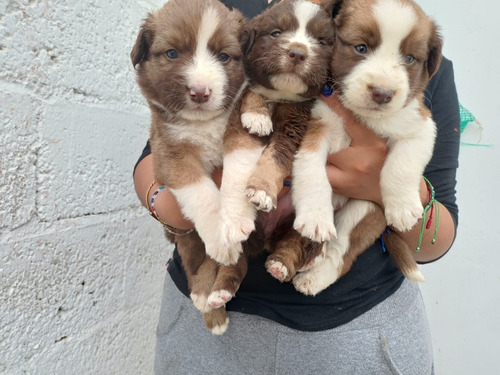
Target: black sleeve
145	152
250	8
442	100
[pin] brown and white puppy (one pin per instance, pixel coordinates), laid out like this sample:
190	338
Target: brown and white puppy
189	61
384	54
287	66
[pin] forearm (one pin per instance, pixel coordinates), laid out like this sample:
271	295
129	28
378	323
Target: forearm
165	204
445	233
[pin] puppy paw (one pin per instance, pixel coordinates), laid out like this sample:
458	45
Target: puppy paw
220	328
277	269
403	217
317	279
218	298
223	254
200	302
257	123
260	199
311	226
306	283
236	229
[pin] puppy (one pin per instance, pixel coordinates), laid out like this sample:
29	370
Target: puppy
385	52
189	61
287	66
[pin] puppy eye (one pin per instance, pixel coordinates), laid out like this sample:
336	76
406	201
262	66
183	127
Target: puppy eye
361	48
409	59
223	57
172	54
276	33
323	42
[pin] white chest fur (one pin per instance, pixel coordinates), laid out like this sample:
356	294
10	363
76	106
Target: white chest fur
207	136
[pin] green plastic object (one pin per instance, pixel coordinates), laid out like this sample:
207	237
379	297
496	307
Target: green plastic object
466	117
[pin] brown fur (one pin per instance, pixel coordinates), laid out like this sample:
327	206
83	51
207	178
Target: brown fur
402	255
364	234
255	103
236	136
289	126
315	130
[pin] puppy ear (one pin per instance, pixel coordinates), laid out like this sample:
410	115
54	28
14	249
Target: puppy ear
332	7
140	51
435	51
246	35
249	40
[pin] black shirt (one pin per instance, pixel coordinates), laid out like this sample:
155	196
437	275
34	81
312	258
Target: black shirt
250	8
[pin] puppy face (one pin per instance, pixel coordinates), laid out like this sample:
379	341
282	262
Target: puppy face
189	58
384	54
292	48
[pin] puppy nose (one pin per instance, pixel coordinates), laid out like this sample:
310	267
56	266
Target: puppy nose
297	55
381	96
199	94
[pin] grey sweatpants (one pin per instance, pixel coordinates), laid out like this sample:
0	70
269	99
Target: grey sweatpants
391	338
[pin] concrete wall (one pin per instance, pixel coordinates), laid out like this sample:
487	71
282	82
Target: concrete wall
81	264
462	290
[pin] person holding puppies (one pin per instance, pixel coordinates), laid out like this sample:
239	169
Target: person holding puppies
372	320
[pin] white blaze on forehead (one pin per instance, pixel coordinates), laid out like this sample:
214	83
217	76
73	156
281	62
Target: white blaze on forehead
304	11
205	71
395	21
209	23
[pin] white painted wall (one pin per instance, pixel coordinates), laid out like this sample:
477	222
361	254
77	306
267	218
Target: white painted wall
81	264
462	292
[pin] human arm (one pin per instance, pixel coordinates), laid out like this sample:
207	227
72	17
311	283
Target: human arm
166	205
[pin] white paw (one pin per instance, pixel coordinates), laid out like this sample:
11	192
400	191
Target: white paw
220	329
257	123
200	302
260	199
223	254
310	282
277	269
218	298
307	283
403	216
236	229
311	226
318	278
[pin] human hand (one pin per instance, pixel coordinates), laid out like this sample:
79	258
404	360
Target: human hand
355	171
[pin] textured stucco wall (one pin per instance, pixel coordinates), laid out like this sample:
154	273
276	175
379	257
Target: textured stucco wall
81	264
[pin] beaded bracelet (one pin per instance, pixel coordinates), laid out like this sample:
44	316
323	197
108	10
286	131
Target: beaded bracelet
430	206
147	197
153	213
